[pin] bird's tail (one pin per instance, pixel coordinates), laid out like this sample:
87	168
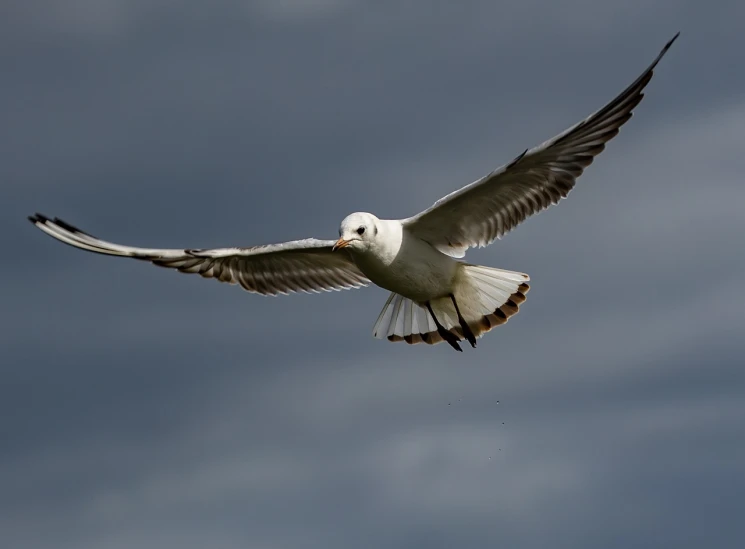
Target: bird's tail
486	298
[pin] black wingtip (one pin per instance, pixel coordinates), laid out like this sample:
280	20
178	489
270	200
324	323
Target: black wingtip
66	226
38	218
670	43
661	54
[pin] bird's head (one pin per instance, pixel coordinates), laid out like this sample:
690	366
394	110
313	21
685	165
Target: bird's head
358	231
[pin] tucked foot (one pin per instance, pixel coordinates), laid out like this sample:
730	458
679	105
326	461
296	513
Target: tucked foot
467	332
450	337
463	324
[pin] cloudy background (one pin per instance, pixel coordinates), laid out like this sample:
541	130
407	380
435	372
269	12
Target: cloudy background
144	408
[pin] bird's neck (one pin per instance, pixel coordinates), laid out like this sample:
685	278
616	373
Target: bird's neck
388	241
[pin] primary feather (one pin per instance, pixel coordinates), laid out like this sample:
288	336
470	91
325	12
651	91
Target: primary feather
298	266
488	208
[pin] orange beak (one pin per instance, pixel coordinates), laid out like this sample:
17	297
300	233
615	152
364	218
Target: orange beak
341	243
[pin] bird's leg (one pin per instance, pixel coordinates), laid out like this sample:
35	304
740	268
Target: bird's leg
450	337
463	324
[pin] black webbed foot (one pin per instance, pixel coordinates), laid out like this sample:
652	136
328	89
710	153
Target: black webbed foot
448	336
463	324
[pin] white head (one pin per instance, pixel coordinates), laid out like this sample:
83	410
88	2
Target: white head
358	231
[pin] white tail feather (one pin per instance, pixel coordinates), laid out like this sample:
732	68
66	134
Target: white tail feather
486	298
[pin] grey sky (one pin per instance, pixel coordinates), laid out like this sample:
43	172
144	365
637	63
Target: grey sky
144	408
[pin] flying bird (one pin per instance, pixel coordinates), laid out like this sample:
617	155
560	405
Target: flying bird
434	297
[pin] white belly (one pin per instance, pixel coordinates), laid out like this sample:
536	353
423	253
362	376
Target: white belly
415	270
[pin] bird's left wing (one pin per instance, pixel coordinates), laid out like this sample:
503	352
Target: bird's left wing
488	208
307	265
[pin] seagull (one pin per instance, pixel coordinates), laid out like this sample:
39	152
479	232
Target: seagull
434	296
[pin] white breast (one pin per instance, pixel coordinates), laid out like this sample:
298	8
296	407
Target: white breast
406	265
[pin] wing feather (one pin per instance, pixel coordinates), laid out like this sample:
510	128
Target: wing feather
488	208
307	265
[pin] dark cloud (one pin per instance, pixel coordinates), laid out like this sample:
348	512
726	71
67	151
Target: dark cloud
145	408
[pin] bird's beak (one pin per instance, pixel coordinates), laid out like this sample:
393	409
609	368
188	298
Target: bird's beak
341	243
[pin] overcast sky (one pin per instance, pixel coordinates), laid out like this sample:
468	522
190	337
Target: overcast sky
145	408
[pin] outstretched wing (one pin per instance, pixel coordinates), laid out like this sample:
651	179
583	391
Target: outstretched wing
299	266
488	208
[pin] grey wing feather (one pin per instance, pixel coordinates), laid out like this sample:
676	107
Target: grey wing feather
307	265
488	208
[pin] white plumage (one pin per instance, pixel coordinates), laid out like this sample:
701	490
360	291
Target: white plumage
433	297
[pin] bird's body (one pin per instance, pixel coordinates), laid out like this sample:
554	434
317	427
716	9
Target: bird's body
434	296
405	264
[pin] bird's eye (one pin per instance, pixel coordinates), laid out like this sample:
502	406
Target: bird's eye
361	231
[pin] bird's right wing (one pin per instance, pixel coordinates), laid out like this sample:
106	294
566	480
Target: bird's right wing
307	265
488	208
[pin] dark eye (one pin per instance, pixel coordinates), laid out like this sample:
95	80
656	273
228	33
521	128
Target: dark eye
361	231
